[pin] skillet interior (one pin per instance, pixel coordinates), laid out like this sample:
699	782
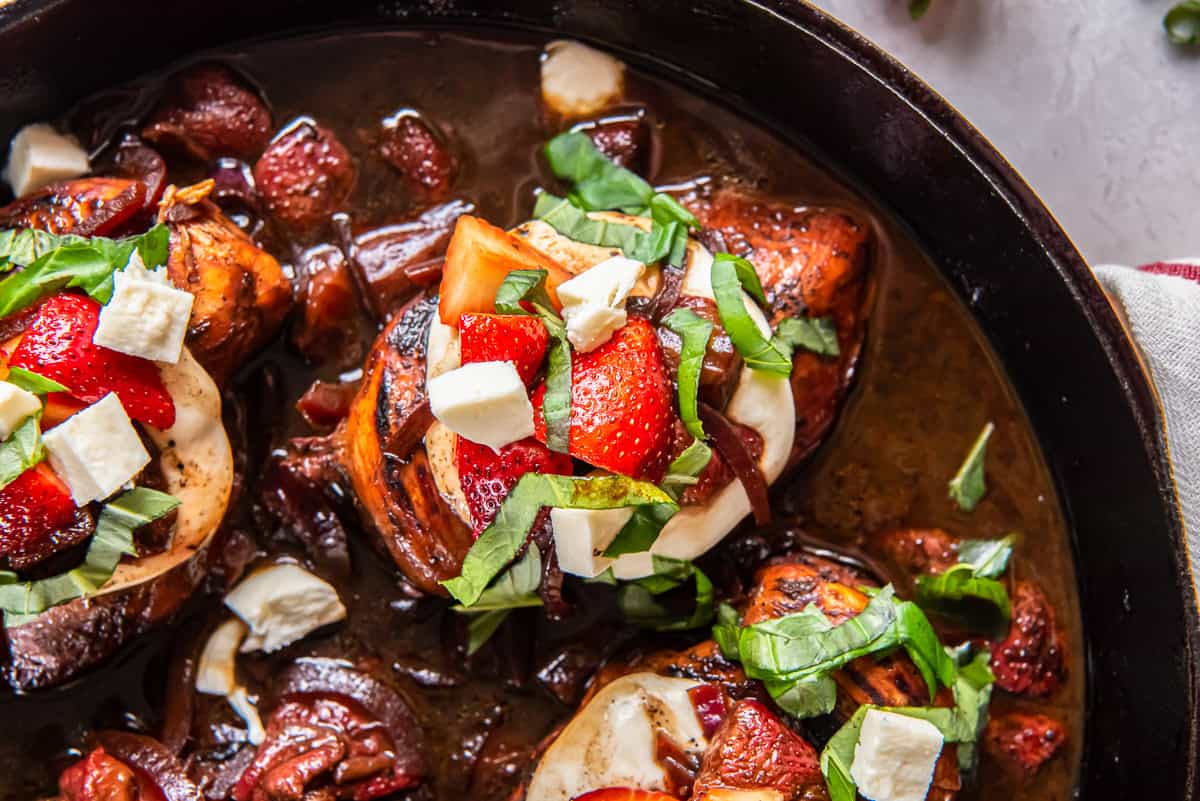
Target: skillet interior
902	145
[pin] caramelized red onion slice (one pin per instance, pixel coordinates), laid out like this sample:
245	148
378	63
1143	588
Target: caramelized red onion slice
153	760
711	708
316	675
735	453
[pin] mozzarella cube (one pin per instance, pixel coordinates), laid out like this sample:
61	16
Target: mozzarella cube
581	535
215	673
895	756
40	155
484	402
96	451
594	301
282	604
147	317
15	406
578	81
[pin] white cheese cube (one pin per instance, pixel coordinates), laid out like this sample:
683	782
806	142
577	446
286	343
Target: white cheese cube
96	451
485	402
895	757
594	301
15	406
282	604
578	81
581	535
146	317
216	673
40	155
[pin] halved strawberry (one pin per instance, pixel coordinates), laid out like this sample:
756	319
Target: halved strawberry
32	508
487	477
59	346
478	259
622	404
504	338
624	794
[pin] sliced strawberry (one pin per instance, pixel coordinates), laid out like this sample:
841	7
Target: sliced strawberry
32	509
504	338
622	405
487	477
59	346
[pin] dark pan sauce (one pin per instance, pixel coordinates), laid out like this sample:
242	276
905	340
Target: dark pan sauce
927	384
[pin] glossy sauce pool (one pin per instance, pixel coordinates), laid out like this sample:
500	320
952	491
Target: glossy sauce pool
926	385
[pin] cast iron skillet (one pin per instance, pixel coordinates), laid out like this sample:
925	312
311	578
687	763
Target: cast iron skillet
839	97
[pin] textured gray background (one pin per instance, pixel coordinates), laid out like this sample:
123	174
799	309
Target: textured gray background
1087	98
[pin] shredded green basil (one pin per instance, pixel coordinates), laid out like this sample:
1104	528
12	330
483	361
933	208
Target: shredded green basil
759	352
1182	23
805	698
598	182
529	286
816	334
988	558
21	600
516	588
685	469
968	486
22	450
647	522
71	263
638	599
969	591
501	540
694	332
32	382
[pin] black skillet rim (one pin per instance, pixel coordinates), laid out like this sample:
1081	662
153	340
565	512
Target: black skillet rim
1141	640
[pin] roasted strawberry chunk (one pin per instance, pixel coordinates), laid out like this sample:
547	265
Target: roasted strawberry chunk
305	174
504	338
58	345
487	477
100	777
207	111
1032	658
86	207
1024	741
627	142
753	750
918	550
409	143
37	518
622	405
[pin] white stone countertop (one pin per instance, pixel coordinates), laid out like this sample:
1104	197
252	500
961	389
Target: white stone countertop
1087	98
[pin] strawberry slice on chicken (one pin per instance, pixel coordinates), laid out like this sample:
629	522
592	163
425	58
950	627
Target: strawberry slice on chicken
58	345
622	405
33	508
504	338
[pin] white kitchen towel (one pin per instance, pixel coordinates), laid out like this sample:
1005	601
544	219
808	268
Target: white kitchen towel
1161	303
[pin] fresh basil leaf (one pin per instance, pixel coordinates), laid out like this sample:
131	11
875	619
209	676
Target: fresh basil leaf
805	698
694	332
982	603
516	588
529	286
598	183
112	540
838	755
482	627
637	598
641	531
747	276
756	350
574	223
816	334
726	631
914	632
22	246
987	558
686	468
32	382
21	451
1182	23
77	263
917	8
501	540
666	209
968	486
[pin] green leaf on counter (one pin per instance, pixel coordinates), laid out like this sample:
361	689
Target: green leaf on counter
1182	23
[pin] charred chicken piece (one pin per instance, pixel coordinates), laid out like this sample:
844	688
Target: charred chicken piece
1024	742
754	752
418	151
207	111
811	261
85	207
391	476
1032	659
305	175
241	292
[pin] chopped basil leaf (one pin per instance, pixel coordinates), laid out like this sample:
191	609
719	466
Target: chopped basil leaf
915	633
805	698
747	276
22	450
1183	23
637	598
988	558
641	531
529	286
599	183
968	591
515	589
113	539
501	540
72	262
756	350
968	486
20	247
32	382
686	468
666	240
694	332
816	334
838	755
917	8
